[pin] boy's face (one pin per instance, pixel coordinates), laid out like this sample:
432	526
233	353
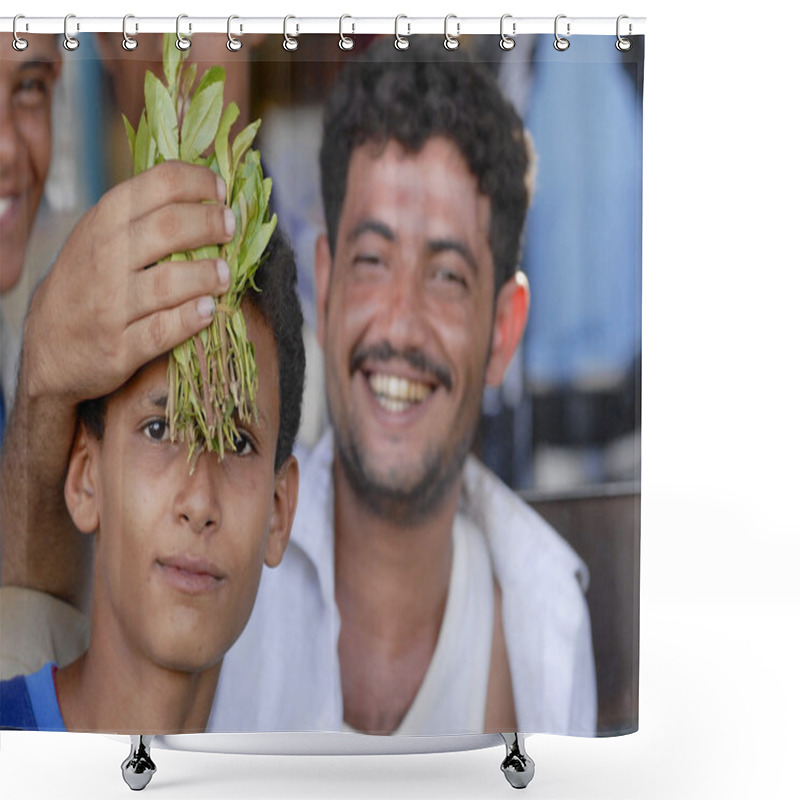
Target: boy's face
178	557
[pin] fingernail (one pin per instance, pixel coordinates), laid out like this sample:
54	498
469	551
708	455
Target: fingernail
230	222
221	190
224	272
205	307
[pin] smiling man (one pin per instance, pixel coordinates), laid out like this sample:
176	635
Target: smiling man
419	595
26	88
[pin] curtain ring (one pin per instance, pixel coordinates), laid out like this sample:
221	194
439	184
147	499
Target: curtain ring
506	42
451	42
400	42
346	42
561	43
233	44
289	42
623	45
181	42
19	44
70	42
128	42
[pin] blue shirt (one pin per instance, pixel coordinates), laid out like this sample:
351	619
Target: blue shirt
29	702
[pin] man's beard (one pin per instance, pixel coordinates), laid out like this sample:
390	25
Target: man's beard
406	502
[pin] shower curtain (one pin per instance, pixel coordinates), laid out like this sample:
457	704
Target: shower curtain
535	469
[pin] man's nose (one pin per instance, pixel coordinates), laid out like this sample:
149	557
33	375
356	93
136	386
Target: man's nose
404	313
197	502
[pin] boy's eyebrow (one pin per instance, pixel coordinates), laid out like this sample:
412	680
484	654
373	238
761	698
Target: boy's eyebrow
157	398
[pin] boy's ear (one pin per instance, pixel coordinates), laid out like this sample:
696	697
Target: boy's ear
510	316
80	487
284	504
322	275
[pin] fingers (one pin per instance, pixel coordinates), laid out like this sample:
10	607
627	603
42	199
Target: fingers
175	228
169	182
156	334
173	283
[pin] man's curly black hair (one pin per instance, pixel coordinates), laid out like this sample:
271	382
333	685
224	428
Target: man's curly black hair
420	93
278	304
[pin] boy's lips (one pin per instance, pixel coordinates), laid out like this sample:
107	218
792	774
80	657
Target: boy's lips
190	574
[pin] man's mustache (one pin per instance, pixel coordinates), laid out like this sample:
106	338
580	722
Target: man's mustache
385	352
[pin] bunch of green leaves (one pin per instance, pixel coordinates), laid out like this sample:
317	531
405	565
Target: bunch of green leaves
212	377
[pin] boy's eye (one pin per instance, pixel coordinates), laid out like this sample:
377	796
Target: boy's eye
242	445
156	429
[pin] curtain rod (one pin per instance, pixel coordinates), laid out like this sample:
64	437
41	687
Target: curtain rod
298	25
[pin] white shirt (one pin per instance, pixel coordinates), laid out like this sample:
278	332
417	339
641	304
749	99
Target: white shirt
283	672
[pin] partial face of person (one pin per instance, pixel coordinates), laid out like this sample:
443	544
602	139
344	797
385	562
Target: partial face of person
406	311
178	556
26	87
128	68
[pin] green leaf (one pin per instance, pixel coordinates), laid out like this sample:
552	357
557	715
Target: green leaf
131	134
161	116
187	79
143	144
209	251
171	58
211	76
201	121
243	141
222	147
259	243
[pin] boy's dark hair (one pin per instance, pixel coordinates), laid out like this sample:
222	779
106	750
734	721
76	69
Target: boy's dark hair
419	93
278	304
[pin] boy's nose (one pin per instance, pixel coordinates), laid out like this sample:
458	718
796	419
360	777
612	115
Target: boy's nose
197	502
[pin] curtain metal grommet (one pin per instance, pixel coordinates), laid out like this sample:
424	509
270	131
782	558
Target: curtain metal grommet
182	42
289	42
507	42
128	42
622	44
233	44
18	43
561	43
70	42
450	41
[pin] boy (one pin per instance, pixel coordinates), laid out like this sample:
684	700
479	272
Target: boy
177	554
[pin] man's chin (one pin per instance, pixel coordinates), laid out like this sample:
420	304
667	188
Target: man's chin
407	495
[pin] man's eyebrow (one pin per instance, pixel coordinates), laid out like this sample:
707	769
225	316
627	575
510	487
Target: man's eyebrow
445	245
371	226
38	63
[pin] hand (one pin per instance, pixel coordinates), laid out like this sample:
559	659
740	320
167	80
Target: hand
100	314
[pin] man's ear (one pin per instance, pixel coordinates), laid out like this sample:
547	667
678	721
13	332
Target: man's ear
81	485
510	316
323	261
284	504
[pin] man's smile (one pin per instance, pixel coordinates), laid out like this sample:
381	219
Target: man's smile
396	393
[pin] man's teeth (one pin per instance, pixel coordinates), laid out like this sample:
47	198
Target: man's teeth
396	394
5	204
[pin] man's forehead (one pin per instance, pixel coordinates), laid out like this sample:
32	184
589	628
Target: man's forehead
430	191
41	48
